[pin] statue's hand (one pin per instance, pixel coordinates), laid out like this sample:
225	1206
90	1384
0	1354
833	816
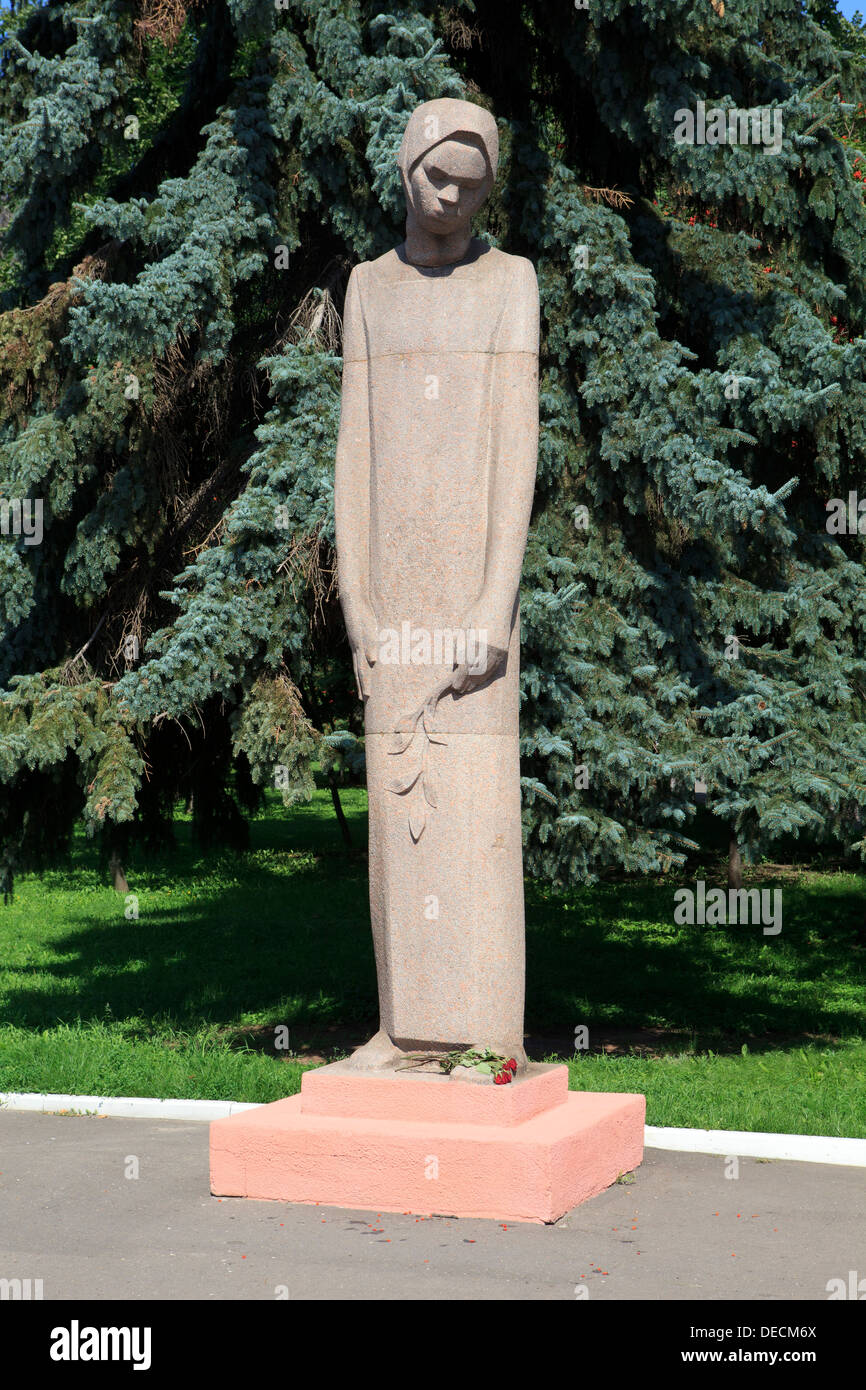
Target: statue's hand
487	640
363	630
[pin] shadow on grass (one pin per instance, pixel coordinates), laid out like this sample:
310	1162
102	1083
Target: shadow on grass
288	941
611	958
290	946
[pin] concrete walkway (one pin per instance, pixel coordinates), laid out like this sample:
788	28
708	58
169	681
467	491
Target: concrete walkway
71	1217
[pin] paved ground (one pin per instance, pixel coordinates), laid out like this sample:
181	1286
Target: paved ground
681	1230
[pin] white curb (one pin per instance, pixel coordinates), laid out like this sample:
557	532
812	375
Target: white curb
133	1107
802	1148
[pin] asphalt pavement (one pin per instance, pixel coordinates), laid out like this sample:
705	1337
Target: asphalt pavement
107	1208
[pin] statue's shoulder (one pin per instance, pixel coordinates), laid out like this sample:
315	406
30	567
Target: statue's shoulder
504	263
382	268
514	285
515	279
511	275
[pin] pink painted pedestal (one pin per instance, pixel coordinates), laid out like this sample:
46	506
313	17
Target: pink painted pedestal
526	1152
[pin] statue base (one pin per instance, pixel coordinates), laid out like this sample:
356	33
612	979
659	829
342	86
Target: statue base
529	1151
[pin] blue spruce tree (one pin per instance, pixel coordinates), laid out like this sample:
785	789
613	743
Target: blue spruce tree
184	189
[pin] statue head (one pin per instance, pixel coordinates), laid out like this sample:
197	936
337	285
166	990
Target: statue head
448	164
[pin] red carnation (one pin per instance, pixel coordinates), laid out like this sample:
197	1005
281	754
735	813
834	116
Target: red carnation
511	1064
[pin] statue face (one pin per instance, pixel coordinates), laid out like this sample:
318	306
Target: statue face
448	185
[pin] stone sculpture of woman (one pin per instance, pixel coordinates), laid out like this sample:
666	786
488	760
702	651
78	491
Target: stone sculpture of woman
434	482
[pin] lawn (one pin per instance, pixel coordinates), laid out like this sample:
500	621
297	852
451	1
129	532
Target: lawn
720	1027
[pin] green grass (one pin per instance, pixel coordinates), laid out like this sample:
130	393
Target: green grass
105	1059
183	1001
805	1090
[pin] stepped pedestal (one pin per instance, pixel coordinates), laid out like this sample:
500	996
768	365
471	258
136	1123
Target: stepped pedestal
430	1144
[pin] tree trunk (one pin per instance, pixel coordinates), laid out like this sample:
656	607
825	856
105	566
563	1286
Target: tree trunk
118	876
735	863
341	818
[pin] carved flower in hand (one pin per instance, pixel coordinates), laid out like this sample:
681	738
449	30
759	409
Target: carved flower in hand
419	781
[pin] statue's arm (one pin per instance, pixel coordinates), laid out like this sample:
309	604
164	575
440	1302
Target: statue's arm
513	461
512	486
352	491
